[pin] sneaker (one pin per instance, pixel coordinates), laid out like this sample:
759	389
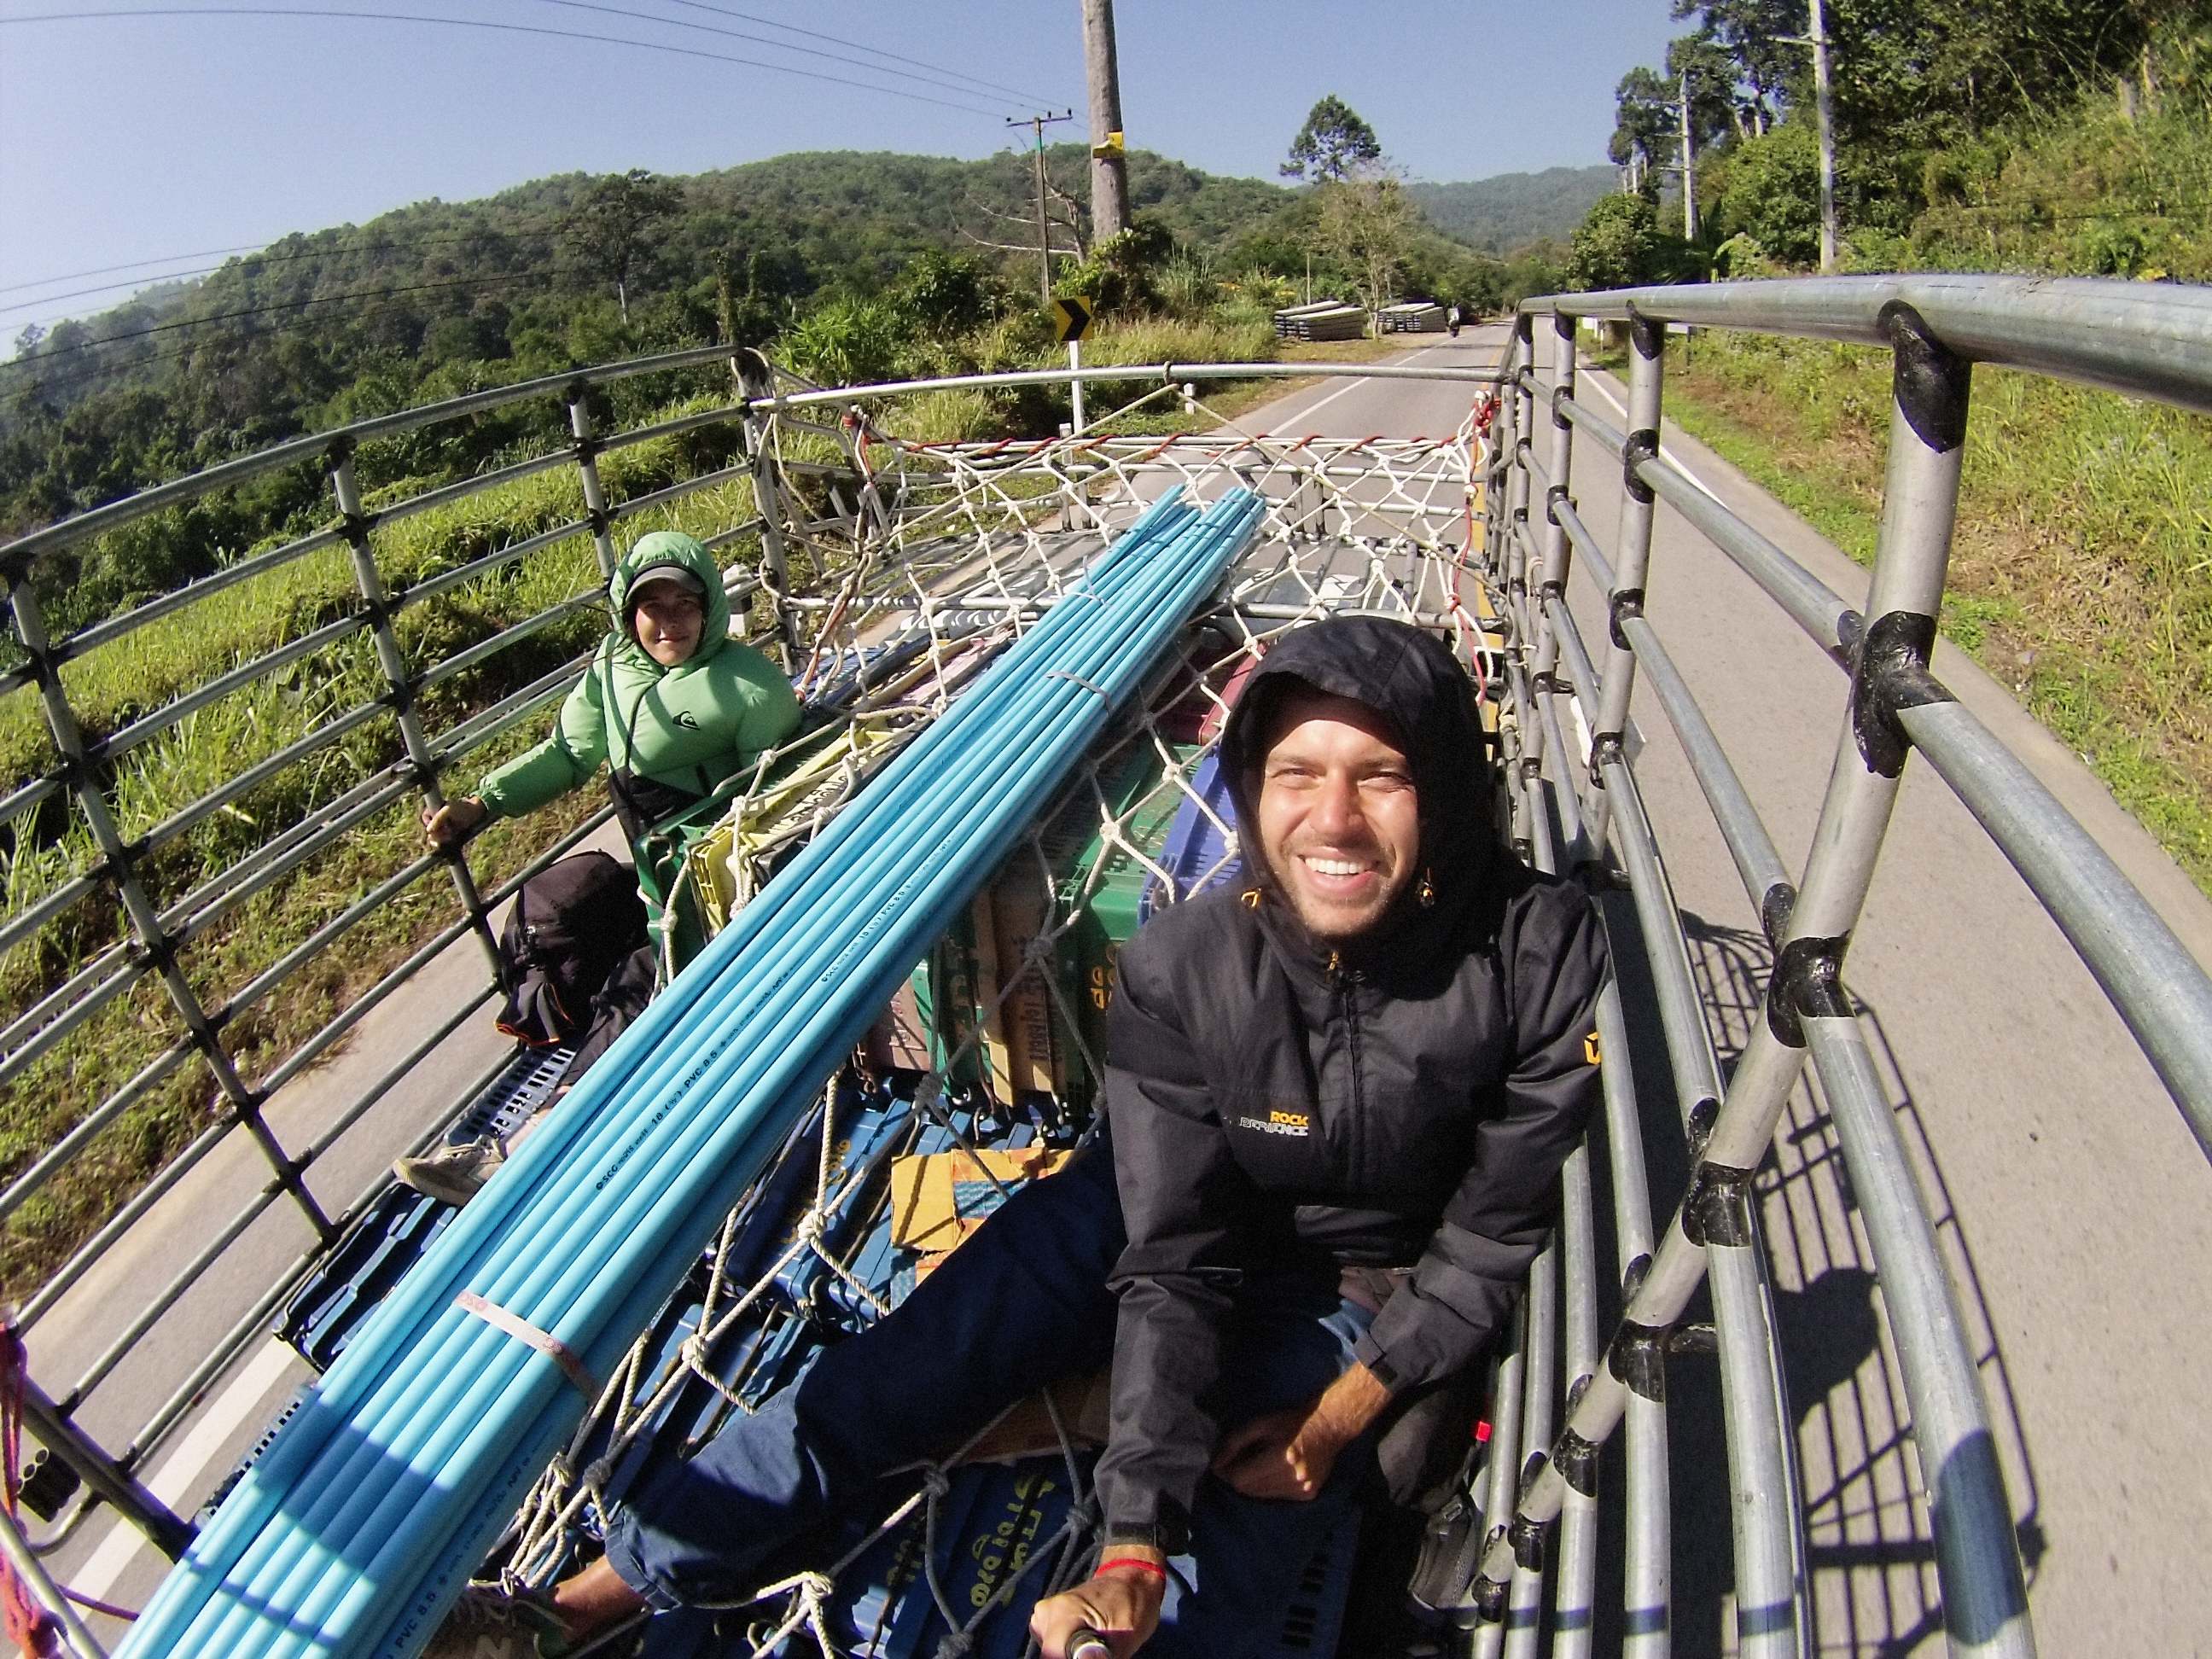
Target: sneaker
488	1623
1441	1591
452	1175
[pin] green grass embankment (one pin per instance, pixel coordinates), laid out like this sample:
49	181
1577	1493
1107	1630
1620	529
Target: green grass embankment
2081	576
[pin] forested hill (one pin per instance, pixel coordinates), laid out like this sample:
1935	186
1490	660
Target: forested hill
441	298
480	279
790	226
1511	209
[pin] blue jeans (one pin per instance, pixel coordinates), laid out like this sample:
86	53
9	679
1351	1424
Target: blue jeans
1021	1303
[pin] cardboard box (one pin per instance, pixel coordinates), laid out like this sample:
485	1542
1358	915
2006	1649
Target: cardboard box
939	1198
899	1039
1021	913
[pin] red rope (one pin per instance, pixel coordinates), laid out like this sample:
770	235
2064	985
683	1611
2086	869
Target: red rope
29	1626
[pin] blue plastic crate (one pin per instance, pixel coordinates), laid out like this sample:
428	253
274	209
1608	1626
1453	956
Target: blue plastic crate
357	1274
1195	853
398	1224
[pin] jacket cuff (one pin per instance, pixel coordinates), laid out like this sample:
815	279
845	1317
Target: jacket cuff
1165	1528
1368	1352
1414	1342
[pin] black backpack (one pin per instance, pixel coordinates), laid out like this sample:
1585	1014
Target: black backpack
572	923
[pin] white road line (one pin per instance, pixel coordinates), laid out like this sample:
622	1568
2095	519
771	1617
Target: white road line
1352	385
170	1483
1666	454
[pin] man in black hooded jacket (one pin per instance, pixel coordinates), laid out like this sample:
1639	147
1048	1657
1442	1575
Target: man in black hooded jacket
1366	1064
1339	1096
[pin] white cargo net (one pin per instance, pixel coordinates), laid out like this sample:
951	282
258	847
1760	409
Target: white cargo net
922	559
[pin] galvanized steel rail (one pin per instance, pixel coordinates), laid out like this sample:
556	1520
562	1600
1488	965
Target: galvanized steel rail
2144	340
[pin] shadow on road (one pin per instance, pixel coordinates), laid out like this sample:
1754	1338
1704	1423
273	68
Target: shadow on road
1870	1553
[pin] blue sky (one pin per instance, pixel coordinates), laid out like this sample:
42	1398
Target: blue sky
129	139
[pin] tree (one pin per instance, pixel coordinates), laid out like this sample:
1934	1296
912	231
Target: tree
1334	144
1769	191
1618	246
610	229
1644	135
942	293
1700	62
1120	276
1366	223
1762	40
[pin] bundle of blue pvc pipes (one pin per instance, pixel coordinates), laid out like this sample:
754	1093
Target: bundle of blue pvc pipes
357	1528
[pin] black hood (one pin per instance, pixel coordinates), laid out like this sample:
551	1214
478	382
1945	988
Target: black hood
1412	679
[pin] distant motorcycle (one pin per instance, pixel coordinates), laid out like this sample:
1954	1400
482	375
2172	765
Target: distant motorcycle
1451	321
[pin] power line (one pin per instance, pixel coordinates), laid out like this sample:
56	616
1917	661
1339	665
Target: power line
260	250
128	264
95	371
758	40
499	28
104	287
277	305
792	28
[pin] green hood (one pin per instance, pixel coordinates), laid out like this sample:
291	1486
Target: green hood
670	547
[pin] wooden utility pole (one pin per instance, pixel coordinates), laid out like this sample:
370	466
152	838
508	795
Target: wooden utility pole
1037	123
1824	106
1109	167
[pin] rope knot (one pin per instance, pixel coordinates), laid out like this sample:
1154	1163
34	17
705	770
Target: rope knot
956	1645
935	1482
596	1476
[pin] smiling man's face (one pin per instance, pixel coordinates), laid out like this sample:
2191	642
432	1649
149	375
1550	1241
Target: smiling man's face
1339	821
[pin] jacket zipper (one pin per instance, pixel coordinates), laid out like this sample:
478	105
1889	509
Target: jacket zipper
1348	981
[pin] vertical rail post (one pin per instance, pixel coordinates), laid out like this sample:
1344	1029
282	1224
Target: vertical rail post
1575	1600
422	761
1505	423
1767	1518
33	1572
1632	559
1984	1596
1978	1559
106	1478
1515	738
1646	1565
756	381
1504	1465
1525	1614
1558	551
1524	423
1550	580
587	451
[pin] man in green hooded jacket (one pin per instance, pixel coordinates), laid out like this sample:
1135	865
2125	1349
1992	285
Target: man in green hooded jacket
671	704
674	707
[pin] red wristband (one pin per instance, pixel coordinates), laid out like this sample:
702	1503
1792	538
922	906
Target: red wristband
1136	1561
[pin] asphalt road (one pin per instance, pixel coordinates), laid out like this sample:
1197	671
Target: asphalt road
2073	1203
